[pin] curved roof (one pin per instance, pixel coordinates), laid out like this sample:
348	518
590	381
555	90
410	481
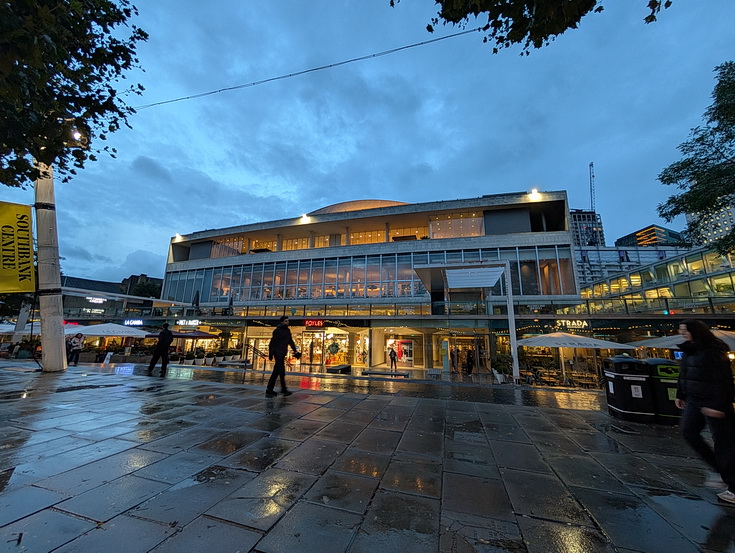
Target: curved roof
355	205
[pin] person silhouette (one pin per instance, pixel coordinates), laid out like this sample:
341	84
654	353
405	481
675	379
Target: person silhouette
393	357
165	337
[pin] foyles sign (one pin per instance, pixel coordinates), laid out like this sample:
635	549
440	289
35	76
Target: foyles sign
16	249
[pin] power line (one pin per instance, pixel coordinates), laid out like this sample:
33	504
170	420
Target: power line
312	70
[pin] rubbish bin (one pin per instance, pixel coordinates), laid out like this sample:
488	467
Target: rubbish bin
629	389
664	377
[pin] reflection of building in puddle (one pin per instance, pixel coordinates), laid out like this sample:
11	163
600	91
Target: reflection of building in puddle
180	373
126	368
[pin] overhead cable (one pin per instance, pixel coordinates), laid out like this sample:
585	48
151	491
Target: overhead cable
313	69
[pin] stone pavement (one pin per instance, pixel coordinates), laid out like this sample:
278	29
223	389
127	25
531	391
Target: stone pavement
108	460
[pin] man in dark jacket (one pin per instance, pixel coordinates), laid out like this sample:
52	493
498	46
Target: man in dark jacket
165	337
705	393
278	349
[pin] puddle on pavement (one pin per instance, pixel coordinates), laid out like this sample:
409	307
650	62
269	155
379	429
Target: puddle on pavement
210	474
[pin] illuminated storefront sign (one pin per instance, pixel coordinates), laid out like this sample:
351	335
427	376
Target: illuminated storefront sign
95	300
133	322
573	324
187	322
314	322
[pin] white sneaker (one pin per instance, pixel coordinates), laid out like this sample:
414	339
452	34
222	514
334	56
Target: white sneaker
727	495
714	481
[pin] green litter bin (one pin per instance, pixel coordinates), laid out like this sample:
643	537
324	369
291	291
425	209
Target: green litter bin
629	389
664	376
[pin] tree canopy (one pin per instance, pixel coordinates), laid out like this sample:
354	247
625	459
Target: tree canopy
531	23
59	63
147	289
706	173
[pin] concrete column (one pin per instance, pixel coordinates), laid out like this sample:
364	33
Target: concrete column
49	275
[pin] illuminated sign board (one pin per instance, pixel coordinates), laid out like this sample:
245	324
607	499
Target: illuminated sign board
186	322
133	322
95	300
574	324
314	322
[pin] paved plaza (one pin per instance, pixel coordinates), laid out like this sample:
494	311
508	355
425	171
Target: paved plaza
106	459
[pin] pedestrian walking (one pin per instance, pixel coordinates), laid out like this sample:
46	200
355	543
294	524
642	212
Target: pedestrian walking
75	348
393	356
278	349
470	360
705	393
165	338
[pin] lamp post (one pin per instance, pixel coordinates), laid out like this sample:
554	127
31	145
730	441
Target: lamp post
53	356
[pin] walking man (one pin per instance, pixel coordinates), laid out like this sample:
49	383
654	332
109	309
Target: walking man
277	349
165	337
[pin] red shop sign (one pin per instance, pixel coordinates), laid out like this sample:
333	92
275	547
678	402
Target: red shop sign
313	322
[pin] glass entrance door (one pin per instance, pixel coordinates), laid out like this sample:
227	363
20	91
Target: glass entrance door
312	348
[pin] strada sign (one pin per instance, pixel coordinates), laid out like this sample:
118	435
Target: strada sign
17	273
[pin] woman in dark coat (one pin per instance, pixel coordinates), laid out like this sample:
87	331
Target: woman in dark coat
705	392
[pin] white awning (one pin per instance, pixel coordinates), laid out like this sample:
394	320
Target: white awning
480	277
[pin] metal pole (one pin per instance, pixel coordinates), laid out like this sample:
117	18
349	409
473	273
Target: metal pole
49	274
512	325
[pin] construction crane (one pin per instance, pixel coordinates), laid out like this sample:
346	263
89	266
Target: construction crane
592	186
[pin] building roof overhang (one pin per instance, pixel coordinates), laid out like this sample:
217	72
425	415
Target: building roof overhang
462	276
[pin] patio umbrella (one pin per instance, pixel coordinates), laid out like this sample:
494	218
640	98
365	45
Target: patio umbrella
10	329
672	342
105	330
565	340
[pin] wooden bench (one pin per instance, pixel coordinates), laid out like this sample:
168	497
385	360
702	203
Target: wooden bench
339	369
434	372
404	374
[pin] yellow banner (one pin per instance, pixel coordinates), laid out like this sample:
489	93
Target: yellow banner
17	273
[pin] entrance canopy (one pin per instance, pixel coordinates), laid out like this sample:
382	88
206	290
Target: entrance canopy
476	277
565	340
442	277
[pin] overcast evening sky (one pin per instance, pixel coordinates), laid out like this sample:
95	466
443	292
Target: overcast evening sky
441	121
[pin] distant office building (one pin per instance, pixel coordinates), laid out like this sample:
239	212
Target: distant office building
586	228
652	235
716	226
596	263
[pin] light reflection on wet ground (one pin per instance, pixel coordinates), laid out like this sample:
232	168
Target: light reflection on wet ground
411	465
562	398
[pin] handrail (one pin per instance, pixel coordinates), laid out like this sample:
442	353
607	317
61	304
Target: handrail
255	351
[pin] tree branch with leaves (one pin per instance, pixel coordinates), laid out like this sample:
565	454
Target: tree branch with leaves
59	63
706	173
530	23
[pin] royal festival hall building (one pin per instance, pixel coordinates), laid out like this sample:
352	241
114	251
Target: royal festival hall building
358	277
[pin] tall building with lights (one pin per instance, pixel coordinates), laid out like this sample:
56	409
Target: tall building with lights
715	226
586	228
652	235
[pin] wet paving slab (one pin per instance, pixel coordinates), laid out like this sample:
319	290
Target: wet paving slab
106	459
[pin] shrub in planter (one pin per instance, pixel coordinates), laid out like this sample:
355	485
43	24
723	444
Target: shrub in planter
173	357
